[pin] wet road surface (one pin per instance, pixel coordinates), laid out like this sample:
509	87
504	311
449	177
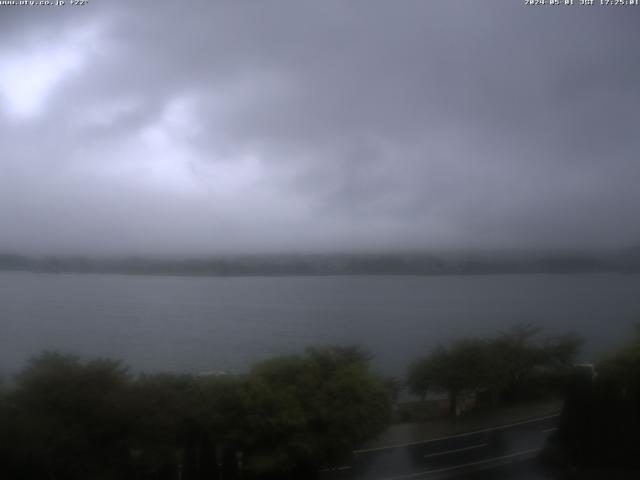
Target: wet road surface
503	452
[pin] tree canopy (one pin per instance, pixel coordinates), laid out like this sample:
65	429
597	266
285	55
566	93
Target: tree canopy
68	418
500	366
311	410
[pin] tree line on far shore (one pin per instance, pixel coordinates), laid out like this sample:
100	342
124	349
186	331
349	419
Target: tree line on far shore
461	263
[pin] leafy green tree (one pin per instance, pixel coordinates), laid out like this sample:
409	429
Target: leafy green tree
518	354
9	446
215	430
503	366
72	417
185	426
305	411
462	365
163	408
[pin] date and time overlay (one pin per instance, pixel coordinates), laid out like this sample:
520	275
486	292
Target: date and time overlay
527	3
43	3
583	3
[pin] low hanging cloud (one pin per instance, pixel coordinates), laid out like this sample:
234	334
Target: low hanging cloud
216	127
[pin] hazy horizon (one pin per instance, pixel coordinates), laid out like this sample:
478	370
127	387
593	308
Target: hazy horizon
506	252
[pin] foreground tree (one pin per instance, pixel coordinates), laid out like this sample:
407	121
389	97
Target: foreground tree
186	425
72	418
461	366
600	422
310	410
519	354
502	367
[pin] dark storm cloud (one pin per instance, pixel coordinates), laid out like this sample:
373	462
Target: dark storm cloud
318	125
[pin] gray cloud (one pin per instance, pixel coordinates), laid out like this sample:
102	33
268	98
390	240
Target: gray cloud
233	126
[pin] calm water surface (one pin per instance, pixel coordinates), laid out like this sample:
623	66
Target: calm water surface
194	324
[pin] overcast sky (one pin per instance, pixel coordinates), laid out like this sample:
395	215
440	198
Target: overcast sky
292	126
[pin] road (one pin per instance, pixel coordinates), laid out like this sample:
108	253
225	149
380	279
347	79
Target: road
503	452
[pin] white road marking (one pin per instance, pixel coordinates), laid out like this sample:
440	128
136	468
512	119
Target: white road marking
446	452
550	430
458	435
446	469
334	469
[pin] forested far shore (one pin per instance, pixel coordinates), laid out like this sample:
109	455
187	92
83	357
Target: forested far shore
622	261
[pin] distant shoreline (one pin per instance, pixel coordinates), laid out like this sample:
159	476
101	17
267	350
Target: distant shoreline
321	275
621	262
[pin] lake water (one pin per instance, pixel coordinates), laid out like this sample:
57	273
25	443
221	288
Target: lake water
186	324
